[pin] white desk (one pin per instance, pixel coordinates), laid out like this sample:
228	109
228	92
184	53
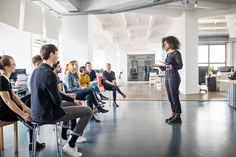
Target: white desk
232	91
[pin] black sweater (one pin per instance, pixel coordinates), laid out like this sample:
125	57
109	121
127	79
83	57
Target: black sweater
175	60
45	97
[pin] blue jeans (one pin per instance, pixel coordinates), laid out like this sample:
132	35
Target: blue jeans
95	87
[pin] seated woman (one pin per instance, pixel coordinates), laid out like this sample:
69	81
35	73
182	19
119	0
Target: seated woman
84	82
109	81
11	107
93	80
71	82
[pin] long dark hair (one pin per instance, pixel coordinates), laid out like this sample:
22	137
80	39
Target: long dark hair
172	41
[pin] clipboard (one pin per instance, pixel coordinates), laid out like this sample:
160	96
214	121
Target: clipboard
163	63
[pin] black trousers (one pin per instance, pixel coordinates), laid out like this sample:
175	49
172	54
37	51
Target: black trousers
112	88
172	83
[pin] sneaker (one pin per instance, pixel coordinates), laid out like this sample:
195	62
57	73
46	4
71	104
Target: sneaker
63	142
39	146
71	151
81	139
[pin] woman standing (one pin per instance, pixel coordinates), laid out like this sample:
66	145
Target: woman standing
173	63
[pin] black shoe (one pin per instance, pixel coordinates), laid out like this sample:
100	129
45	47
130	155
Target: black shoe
39	146
101	102
95	120
123	95
168	119
103	97
175	120
115	104
100	109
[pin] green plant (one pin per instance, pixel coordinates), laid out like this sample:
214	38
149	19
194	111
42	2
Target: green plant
210	70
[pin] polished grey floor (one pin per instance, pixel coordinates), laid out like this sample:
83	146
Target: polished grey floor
137	129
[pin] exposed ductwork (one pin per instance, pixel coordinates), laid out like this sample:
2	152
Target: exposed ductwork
85	7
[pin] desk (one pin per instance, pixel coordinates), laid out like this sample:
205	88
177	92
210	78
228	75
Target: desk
214	84
232	91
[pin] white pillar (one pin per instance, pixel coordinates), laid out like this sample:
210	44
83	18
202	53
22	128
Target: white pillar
185	28
231	56
75	39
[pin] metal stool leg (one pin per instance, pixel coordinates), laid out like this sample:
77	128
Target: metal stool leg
34	140
59	143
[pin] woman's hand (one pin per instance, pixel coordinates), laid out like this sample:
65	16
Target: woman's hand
155	65
27	116
26	109
77	102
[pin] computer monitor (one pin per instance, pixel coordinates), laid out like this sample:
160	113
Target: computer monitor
226	69
16	73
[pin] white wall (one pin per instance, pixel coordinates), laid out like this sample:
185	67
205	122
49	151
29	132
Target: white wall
75	39
16	44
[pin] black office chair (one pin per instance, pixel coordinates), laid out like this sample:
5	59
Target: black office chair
202	80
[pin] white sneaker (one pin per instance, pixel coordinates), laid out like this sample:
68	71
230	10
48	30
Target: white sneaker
81	139
63	142
71	151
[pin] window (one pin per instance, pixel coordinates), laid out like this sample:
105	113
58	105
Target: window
212	55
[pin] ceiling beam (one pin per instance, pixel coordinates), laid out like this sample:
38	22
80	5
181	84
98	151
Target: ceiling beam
212	25
125	24
99	27
201	13
161	11
149	27
133	27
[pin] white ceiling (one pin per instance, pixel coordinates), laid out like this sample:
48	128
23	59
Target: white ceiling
143	28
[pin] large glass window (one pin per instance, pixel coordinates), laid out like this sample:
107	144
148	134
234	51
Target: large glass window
217	54
212	55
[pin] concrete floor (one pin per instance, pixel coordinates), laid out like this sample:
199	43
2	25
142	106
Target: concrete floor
144	91
137	129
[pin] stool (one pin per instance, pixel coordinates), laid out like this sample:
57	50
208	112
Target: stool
5	123
35	130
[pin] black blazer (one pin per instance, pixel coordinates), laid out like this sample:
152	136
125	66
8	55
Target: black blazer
45	97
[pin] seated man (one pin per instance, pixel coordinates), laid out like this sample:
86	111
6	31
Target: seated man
70	97
109	82
46	101
93	80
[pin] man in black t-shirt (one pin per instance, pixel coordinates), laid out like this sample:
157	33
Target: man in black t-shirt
93	80
109	82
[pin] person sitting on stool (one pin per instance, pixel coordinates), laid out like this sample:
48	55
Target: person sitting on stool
109	82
